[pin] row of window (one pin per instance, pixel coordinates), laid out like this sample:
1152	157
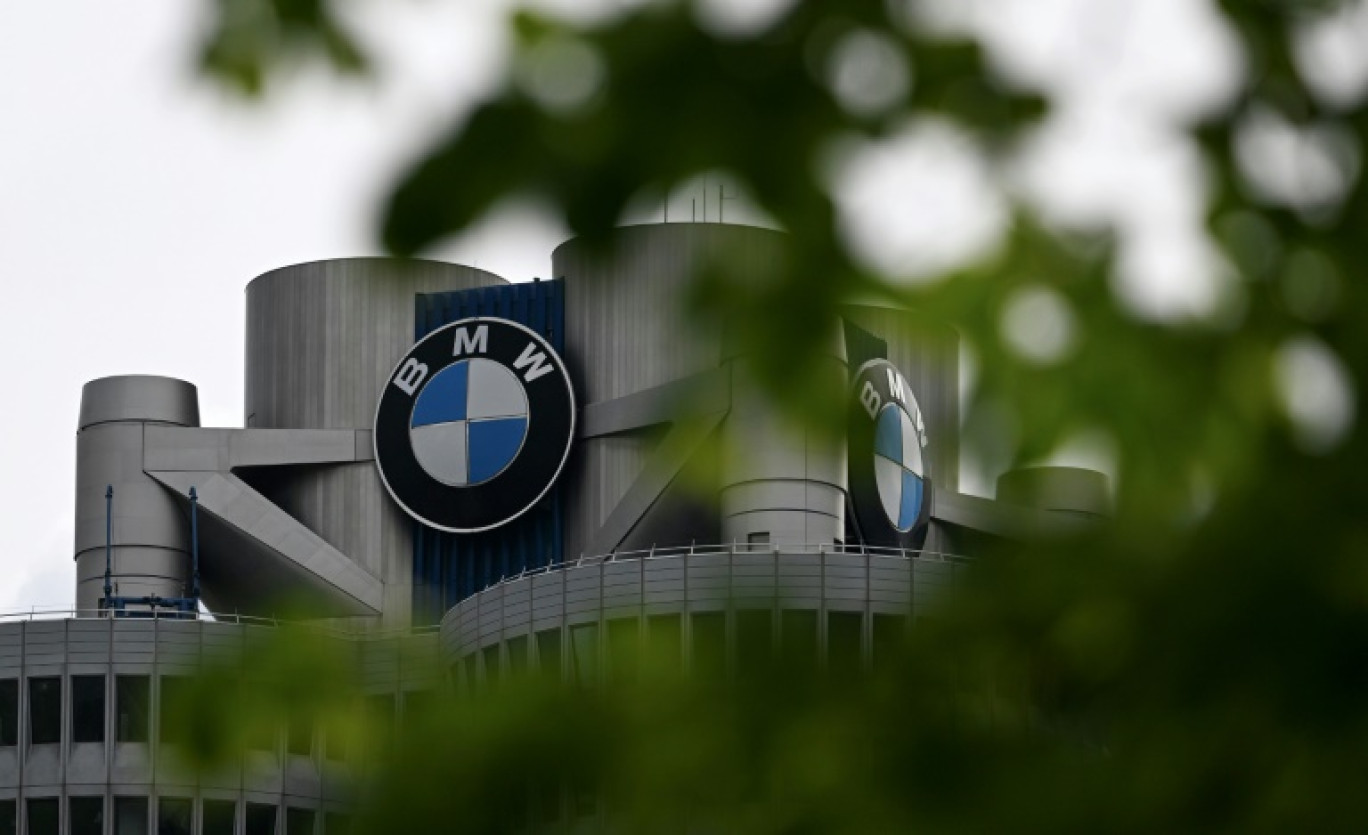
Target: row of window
131	717
758	637
175	816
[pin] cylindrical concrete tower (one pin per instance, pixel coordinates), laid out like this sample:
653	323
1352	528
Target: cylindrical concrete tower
322	340
783	483
150	536
627	331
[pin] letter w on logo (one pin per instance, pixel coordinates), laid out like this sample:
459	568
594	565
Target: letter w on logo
531	356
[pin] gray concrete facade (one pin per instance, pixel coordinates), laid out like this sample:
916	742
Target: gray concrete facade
641	586
155	650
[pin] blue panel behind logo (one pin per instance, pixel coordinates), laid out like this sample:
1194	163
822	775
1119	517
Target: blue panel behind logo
447	568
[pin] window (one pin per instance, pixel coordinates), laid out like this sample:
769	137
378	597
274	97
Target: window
517	656
299	822
174	815
335	741
584	654
758	540
549	653
798	637
754	641
218	817
85	815
45	710
843	643
334	823
299	736
9	815
491	664
175	691
130	813
418	704
709	646
9	711
87	709
889	632
43	817
664	634
132	706
380	708
261	819
624	648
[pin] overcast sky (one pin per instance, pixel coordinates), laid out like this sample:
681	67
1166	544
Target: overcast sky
136	202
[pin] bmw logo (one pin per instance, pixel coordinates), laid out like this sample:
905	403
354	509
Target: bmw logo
888	479
474	425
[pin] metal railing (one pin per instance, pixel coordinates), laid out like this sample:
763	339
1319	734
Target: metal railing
653	553
233	618
735	548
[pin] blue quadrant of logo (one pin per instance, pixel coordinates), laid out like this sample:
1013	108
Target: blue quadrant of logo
911	500
888	434
492	445
443	399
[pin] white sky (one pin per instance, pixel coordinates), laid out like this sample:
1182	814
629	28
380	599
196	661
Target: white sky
136	202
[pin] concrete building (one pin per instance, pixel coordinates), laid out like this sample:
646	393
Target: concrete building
460	475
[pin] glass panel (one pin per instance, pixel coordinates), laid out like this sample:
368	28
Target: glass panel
418	703
624	648
130	813
43	818
9	711
843	643
491	663
45	711
664	633
9	815
380	708
754	641
219	817
299	822
709	646
889	632
799	638
174	693
174	815
86	815
335	742
334	823
549	653
299	736
517	656
87	709
261	819
132	707
584	654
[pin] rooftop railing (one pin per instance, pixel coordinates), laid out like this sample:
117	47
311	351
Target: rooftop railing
671	552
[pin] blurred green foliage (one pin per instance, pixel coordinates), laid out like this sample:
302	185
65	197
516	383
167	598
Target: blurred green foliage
1200	664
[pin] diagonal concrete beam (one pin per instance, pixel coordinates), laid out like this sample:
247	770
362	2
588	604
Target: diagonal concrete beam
268	545
664	463
695	396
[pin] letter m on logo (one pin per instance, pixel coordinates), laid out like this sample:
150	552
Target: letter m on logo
467	344
534	358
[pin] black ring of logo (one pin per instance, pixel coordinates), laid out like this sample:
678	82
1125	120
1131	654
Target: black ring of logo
545	447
